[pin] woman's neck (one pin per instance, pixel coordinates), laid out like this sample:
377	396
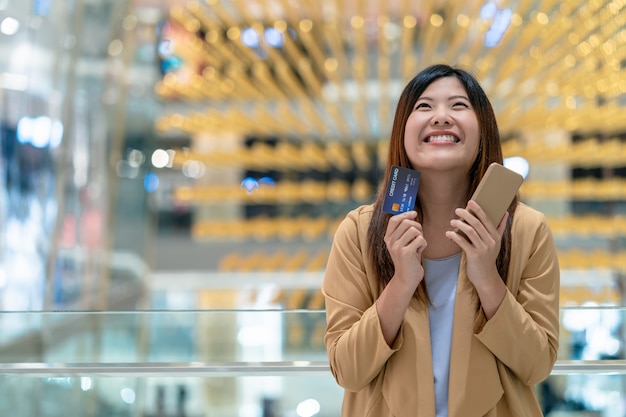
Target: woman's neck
438	199
440	195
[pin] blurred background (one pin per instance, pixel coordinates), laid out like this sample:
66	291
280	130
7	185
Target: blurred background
167	161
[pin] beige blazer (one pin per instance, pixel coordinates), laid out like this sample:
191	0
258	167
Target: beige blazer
494	364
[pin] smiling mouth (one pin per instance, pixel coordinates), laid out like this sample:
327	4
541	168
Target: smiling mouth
442	138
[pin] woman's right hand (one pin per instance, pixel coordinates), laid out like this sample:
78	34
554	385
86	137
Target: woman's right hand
405	242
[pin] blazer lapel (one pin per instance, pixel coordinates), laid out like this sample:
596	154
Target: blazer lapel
409	390
474	385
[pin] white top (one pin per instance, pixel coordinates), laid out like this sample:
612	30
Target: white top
441	276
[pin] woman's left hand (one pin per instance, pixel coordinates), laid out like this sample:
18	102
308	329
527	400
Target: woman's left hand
482	244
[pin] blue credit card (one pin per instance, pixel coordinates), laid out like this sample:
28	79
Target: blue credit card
401	191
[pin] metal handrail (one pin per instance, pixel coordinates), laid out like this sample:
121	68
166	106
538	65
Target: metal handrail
562	367
169	368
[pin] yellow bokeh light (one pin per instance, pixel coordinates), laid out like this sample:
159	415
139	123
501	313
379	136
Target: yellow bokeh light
116	47
570	102
463	21
357	22
305	25
409	22
542	18
233	33
436	20
280	25
331	64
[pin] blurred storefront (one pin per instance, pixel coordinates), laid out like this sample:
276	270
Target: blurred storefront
164	161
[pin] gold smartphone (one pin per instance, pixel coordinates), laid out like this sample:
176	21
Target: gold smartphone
496	191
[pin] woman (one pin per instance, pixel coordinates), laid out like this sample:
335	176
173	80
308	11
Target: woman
420	321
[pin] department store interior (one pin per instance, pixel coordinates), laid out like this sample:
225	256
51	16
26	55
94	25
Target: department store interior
174	171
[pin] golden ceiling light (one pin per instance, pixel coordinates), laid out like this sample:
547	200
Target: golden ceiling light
338	156
284	75
313	50
296	261
611	153
620	261
604	226
314	156
197	10
609	189
317	263
330	65
225	54
245	87
313	116
212	87
382	150
313	191
295	301
341	125
461	27
618	223
338	191
263	76
230	262
287	228
179	14
184	194
282	159
291	49
586	189
266	195
332	35
334	43
262	152
260	228
317	300
275	261
289	155
315	229
270	122
237	232
362	155
288	119
362	191
305	68
360	115
547	190
242	158
289	192
512	147
252	261
360	62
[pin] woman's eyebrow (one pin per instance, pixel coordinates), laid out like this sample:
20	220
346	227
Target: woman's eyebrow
458	97
455	97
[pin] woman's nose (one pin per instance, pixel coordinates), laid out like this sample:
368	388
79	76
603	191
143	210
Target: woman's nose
441	119
440	116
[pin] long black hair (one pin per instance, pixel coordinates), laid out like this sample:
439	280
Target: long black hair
489	150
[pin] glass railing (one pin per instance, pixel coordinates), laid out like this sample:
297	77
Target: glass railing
243	363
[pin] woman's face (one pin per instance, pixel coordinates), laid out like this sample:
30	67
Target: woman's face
442	131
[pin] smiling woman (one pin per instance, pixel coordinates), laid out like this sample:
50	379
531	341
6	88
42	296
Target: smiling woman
443	129
420	320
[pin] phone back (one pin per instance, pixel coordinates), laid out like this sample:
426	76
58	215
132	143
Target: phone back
496	191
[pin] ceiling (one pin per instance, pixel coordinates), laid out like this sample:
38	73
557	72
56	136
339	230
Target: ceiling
339	66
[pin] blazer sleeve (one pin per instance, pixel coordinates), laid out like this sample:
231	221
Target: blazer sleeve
524	332
356	348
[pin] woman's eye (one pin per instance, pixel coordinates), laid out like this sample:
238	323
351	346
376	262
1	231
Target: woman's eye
462	104
421	106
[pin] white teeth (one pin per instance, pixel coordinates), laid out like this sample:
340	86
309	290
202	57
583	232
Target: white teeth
442	138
